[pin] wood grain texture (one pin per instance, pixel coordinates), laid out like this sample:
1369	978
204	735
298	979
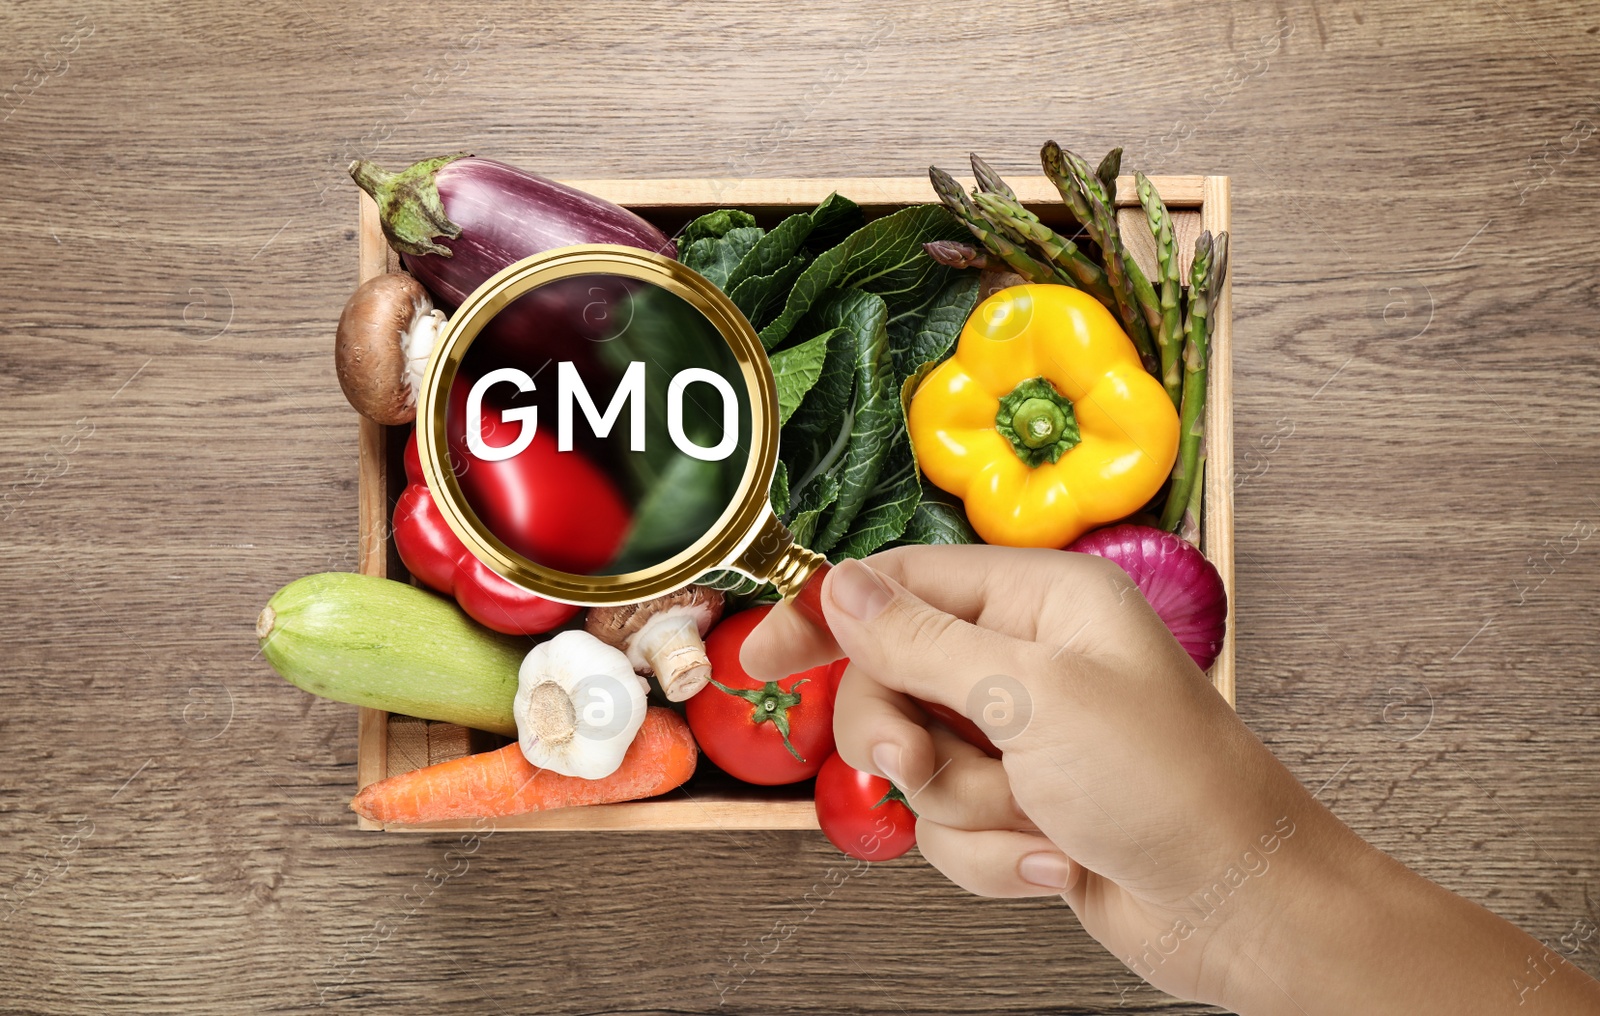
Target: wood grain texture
1417	464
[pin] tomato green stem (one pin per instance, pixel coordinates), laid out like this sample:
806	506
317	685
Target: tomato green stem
770	704
895	794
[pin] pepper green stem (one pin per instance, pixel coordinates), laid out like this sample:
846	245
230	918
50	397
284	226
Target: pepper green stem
1038	421
408	204
771	704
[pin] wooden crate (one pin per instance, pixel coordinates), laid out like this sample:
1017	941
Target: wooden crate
712	800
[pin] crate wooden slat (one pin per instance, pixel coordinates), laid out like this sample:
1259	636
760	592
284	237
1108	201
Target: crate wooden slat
372	504
1197	202
1216	215
872	193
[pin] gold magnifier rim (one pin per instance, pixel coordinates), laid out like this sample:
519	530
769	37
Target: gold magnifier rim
738	523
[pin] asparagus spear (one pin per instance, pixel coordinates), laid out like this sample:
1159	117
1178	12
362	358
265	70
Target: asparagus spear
1189	526
955	254
1055	167
1101	203
1107	171
988	180
961	206
1206	277
999	204
1169	338
1120	269
1023	226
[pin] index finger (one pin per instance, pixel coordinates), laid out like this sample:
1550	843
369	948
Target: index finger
1023	592
958	580
786	642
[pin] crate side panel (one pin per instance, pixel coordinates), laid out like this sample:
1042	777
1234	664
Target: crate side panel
1217	525
372	500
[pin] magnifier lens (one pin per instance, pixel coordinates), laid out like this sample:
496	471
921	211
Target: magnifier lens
600	425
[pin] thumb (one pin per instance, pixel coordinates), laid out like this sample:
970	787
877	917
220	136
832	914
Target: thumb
909	646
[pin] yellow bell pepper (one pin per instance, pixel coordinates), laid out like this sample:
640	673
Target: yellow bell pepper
1043	422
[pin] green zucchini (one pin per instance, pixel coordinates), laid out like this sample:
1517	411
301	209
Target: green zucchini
379	643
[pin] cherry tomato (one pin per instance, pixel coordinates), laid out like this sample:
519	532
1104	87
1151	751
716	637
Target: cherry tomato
437	558
768	733
862	814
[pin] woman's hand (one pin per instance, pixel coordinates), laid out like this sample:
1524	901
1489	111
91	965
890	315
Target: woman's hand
1129	786
1118	753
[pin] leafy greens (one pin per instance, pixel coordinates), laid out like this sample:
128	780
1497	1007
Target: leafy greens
850	312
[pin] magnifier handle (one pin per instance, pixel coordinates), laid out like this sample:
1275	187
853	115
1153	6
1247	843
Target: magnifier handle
809	599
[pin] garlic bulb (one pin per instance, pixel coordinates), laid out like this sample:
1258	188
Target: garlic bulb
578	706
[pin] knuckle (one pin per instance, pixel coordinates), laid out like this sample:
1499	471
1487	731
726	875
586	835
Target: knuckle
1039	662
973	794
924	626
1110	573
949	851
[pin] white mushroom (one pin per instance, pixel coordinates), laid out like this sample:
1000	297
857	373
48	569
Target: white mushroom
664	636
578	706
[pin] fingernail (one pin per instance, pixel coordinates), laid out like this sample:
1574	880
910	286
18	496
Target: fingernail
1046	868
858	590
887	758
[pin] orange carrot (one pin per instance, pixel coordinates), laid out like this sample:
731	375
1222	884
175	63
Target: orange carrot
499	783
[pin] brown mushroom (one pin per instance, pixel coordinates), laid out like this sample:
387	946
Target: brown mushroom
663	636
992	281
387	329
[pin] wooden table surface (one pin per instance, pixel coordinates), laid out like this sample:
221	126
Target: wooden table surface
1415	298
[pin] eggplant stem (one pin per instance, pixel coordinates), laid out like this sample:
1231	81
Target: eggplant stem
408	202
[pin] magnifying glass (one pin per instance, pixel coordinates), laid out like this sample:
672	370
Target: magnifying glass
632	389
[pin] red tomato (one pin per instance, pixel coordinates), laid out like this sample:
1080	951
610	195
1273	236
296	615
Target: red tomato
861	814
767	733
437	558
556	508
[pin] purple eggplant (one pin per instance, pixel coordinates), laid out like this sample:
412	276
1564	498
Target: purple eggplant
457	220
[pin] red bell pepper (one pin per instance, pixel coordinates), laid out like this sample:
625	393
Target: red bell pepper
553	507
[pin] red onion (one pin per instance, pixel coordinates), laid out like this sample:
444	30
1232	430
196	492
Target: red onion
1183	587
